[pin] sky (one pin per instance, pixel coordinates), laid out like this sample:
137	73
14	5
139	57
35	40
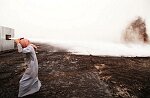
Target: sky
72	20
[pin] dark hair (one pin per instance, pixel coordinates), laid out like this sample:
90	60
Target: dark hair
21	38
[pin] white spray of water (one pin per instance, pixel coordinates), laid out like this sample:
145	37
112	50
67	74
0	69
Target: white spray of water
101	48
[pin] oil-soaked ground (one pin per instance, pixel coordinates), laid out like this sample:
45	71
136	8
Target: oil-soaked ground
65	75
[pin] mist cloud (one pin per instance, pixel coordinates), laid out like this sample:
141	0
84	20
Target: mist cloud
61	19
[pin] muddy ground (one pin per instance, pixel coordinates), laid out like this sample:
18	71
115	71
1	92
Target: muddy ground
65	75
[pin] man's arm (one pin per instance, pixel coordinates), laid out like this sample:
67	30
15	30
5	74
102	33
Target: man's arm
20	49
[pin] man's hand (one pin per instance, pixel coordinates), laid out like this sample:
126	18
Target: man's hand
17	41
34	46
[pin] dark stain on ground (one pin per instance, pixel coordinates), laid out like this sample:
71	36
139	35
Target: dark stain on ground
65	75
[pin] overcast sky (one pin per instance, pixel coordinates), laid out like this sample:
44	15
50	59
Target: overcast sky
72	19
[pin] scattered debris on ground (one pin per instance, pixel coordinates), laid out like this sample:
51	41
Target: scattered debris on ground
65	75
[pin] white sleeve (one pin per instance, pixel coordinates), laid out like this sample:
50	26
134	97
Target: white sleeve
23	50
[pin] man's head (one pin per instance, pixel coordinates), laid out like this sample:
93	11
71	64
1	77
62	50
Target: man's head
24	42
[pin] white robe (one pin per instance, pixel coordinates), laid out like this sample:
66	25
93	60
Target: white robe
29	83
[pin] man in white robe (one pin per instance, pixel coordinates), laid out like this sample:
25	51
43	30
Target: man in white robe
29	83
